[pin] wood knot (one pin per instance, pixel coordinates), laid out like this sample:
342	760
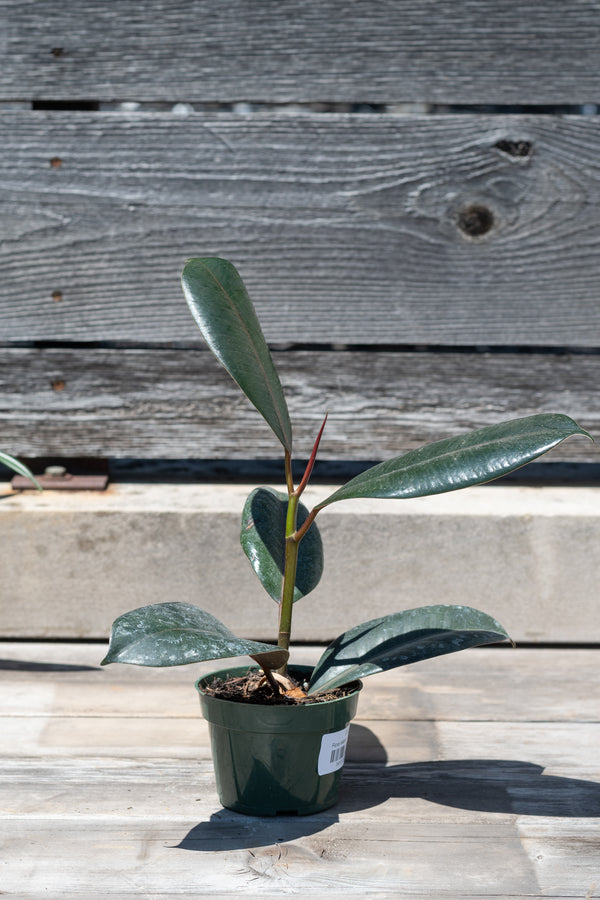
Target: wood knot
520	149
475	220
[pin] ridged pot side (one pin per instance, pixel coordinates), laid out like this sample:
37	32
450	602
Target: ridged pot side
272	759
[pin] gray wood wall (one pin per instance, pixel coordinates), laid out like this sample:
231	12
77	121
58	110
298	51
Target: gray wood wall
410	190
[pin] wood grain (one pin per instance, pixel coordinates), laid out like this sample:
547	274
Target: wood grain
539	685
335	50
451	807
170	403
345	228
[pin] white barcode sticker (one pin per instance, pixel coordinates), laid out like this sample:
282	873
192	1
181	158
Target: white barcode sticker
333	751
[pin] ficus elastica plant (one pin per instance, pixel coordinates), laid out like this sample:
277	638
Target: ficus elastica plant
280	535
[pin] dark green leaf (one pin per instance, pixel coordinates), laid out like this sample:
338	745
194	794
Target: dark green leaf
226	317
174	634
454	463
400	639
263	540
18	467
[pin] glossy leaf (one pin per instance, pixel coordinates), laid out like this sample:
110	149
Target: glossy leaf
263	541
19	468
454	463
175	634
226	317
403	638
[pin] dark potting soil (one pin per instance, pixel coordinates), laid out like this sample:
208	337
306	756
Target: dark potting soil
254	688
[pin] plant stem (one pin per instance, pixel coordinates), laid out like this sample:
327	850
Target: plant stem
288	472
289	576
287	597
307	523
292	542
276	688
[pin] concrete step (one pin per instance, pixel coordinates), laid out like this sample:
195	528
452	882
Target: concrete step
529	556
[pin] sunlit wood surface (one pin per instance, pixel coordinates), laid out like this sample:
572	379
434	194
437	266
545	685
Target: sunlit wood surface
470	776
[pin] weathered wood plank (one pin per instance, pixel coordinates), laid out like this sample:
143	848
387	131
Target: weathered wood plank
404	744
464	791
537	685
70	855
571	847
485	809
340	235
159	403
329	51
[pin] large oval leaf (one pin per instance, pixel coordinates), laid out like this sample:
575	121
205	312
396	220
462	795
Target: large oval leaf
263	540
458	462
400	639
226	317
174	634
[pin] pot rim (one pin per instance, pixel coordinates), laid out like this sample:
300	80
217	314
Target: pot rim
240	670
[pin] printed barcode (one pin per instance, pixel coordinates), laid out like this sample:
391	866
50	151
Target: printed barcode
337	754
333	751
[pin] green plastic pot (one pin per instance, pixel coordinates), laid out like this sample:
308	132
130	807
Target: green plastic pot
277	759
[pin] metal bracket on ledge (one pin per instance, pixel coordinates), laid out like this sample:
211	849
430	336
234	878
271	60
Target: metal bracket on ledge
56	478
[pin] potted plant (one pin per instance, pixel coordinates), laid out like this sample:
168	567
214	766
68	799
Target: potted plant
278	735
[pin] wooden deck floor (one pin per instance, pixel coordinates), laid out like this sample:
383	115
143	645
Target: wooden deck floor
470	776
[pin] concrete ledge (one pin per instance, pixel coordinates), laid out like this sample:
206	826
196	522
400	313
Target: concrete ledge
529	556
